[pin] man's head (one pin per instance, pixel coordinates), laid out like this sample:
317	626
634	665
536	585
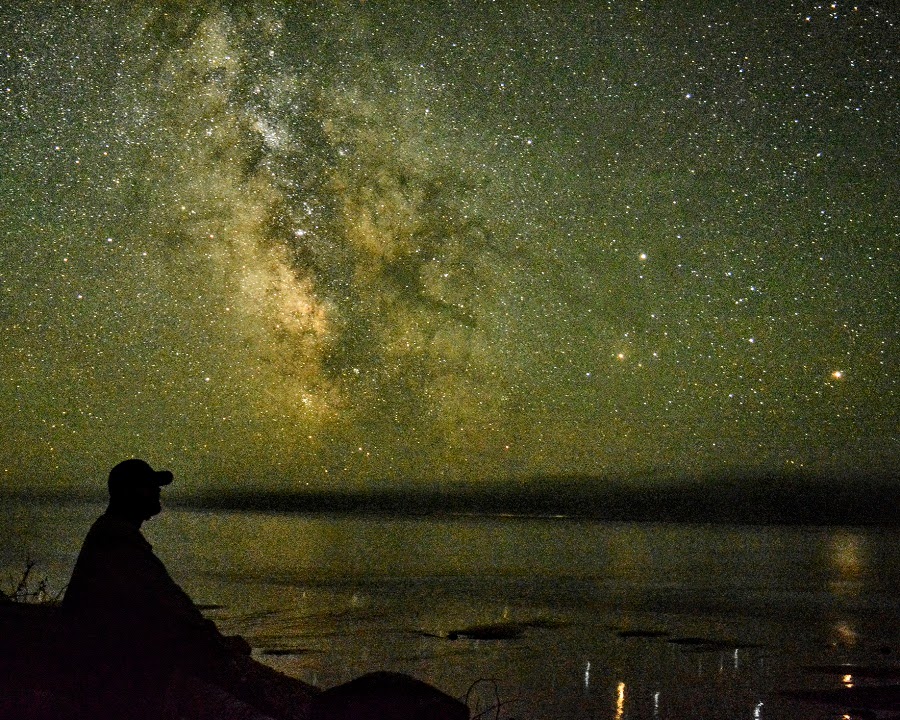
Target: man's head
134	488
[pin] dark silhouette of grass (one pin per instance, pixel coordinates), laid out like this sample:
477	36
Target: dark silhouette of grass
29	589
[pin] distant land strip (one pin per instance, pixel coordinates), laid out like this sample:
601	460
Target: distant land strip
746	501
758	500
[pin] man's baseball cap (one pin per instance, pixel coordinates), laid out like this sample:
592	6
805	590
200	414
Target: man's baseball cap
129	473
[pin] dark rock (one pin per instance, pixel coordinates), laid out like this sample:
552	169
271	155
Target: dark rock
34	682
643	633
37	682
503	630
386	696
499	631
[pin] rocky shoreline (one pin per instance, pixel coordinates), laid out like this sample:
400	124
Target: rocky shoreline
35	683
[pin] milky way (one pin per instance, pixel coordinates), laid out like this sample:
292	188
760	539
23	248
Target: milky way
342	243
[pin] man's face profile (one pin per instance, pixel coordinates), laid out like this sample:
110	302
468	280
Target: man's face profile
140	499
148	497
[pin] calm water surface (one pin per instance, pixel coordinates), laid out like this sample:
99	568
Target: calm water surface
328	598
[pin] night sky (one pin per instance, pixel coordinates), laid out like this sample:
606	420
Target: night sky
285	244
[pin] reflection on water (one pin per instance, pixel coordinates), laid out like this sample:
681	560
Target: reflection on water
849	554
850	560
620	701
604	620
844	634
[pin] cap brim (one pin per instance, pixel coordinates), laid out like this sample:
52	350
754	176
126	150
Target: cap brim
163	477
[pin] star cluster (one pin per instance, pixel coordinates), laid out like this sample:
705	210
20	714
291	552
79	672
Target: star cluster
334	243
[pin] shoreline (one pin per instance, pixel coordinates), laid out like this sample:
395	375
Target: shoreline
34	686
37	683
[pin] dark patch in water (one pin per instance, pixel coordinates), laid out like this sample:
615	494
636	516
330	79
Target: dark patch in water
504	630
500	631
643	633
698	644
280	652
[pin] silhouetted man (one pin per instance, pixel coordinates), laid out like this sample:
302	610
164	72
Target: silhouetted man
135	630
142	649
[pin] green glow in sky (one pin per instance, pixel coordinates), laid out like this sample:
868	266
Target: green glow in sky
275	244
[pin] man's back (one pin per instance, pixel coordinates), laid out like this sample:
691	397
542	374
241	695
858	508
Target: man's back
131	624
119	583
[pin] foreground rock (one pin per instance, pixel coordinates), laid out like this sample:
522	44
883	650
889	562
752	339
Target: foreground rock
387	696
37	684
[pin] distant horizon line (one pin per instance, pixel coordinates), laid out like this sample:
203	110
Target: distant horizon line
760	499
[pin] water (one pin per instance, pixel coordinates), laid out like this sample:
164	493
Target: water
328	598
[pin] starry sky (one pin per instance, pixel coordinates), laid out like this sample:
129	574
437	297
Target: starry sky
338	243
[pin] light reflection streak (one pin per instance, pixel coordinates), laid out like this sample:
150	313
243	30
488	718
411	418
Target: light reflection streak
620	701
757	711
850	560
847	636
